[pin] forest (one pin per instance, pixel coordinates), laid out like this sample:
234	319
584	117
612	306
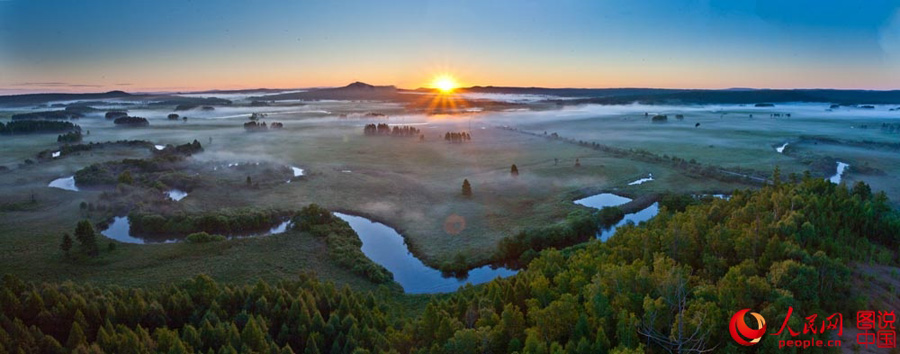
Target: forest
38	126
666	285
60	115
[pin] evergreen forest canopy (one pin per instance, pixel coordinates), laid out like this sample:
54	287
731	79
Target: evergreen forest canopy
668	285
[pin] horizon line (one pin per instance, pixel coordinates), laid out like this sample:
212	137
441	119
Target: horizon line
5	91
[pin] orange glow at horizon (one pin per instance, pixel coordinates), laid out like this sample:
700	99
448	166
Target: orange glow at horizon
445	83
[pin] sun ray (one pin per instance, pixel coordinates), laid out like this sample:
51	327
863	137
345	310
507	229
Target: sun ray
444	83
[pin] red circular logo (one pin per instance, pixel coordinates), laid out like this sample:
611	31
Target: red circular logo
742	333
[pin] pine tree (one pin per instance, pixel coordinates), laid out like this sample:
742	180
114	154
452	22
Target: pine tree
577	163
249	181
514	171
87	239
466	188
76	336
253	336
66	244
776	176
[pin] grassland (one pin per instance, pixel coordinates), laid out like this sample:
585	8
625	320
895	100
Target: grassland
411	185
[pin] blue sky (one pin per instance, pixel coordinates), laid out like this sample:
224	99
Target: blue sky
92	45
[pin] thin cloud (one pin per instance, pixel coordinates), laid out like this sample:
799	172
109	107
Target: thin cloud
51	84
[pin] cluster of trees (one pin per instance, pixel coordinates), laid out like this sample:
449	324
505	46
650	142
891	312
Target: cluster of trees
670	285
659	118
69	138
87	240
223	222
385	129
86	237
38	126
189	148
457	137
185	107
254	126
173	116
344	246
107	173
131	121
116	114
58	115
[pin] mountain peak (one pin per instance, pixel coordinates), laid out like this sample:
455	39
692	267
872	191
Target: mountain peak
364	86
359	85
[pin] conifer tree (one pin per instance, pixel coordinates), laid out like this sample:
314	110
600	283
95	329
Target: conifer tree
466	188
66	244
87	239
514	171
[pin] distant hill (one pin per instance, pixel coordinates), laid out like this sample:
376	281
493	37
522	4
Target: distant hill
97	98
354	91
753	97
364	91
695	96
567	92
223	92
38	98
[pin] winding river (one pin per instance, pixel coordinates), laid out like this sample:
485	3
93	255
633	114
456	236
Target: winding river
120	230
383	245
602	200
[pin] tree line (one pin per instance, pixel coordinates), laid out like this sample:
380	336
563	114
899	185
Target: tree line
223	222
457	137
49	115
385	130
38	126
254	126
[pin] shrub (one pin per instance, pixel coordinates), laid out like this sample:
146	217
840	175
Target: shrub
203	237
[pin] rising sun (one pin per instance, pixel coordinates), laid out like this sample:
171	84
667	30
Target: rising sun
444	83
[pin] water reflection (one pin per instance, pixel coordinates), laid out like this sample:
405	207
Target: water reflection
383	245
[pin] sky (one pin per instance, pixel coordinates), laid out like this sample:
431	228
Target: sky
183	45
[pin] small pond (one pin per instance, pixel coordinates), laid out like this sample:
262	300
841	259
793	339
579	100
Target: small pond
67	183
176	194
